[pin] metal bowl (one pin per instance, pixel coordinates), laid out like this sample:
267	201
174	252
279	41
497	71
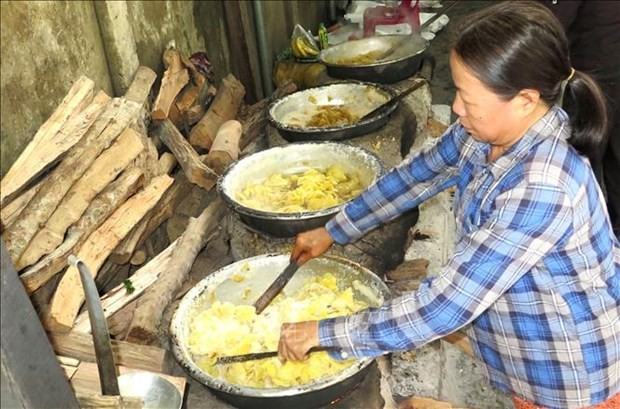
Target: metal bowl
294	158
403	63
259	272
155	391
291	113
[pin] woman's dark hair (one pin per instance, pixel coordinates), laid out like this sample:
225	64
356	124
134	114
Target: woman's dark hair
518	45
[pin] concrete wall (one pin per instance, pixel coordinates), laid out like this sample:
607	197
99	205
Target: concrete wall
46	46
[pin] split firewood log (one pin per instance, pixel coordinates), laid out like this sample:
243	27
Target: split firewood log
194	114
151	222
105	129
117	298
103	171
175	78
125	250
197	172
49	143
11	211
417	402
69	295
78	160
80	346
225	107
460	340
410	270
150	308
225	148
98	211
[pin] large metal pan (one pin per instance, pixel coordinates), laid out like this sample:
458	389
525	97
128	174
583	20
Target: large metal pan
294	158
291	113
258	273
402	63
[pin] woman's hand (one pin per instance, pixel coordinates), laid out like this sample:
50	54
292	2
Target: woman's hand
311	244
296	339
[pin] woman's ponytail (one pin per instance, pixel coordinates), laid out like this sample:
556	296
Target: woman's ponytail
585	104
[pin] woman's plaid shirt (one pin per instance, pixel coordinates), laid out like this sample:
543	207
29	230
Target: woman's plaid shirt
536	269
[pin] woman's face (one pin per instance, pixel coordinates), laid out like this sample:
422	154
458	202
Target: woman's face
483	114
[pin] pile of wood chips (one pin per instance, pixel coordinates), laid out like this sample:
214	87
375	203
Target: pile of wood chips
100	177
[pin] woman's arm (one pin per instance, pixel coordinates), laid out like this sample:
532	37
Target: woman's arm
413	181
526	224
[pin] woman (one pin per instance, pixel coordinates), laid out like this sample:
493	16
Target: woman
536	269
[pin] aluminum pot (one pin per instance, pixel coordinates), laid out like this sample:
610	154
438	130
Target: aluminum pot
290	114
259	272
294	158
403	63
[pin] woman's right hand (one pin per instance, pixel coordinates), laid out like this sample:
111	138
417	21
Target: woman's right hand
311	244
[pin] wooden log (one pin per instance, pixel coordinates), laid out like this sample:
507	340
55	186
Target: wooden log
148	313
110	275
410	270
117	298
124	251
86	378
140	86
11	211
175	78
164	210
108	401
196	171
148	159
69	295
139	257
99	210
461	341
42	150
78	160
418	402
118	324
225	107
80	346
103	171
194	114
166	163
225	148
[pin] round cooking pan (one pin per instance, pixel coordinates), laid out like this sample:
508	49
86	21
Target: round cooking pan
290	114
404	62
294	158
258	273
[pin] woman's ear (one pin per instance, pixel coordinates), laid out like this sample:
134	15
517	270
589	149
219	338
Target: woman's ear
527	101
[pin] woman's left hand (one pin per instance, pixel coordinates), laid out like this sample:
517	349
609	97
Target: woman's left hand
296	339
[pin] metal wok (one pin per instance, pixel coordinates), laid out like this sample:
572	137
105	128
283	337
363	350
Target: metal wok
403	63
261	272
294	158
290	114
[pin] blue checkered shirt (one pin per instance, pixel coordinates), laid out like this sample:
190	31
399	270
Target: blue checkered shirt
535	271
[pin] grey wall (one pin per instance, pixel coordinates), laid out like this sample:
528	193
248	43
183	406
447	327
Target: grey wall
46	46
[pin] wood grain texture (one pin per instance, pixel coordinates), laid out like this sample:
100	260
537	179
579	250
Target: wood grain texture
117	298
69	295
150	308
80	346
225	107
103	171
41	151
98	211
196	172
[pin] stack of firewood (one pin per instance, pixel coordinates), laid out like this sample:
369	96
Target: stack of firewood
99	179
